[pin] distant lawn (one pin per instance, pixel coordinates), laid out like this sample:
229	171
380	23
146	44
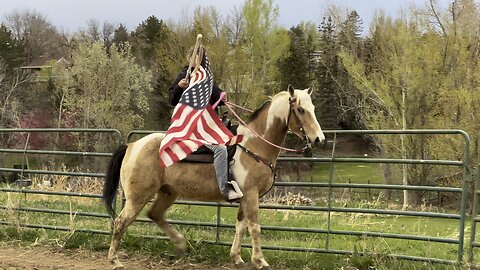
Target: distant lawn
357	173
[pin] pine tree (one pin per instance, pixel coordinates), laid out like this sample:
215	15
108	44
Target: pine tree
121	35
294	67
11	50
327	72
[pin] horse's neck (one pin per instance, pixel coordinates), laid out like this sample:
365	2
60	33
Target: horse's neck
271	125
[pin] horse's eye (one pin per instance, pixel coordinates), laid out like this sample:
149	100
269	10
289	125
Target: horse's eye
300	110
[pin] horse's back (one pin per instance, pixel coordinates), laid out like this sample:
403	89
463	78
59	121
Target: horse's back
142	161
145	146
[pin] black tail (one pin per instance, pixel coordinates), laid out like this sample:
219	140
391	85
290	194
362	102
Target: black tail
112	178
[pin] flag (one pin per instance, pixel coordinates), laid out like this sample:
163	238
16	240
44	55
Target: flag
194	122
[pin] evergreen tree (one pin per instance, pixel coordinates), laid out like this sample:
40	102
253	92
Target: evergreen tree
294	67
349	38
11	50
120	35
327	73
152	43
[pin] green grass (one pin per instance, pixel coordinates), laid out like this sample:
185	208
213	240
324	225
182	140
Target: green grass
202	252
358	173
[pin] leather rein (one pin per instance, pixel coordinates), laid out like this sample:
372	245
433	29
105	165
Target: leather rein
261	159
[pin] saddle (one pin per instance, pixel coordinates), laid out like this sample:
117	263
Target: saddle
205	155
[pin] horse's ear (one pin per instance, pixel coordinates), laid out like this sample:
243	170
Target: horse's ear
309	90
291	90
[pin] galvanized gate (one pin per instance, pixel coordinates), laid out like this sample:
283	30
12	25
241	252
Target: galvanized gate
330	208
474	243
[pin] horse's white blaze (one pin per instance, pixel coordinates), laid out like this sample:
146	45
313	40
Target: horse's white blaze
138	145
307	105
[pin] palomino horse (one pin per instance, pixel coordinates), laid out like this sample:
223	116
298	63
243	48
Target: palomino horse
137	165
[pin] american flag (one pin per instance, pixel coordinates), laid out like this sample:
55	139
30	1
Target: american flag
194	122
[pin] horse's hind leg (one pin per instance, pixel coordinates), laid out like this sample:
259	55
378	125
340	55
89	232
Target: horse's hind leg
124	219
157	214
240	227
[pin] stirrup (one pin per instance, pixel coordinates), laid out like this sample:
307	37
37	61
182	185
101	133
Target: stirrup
232	196
235	186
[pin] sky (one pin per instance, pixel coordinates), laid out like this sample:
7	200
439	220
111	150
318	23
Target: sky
70	16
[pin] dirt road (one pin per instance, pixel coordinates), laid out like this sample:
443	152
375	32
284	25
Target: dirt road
13	257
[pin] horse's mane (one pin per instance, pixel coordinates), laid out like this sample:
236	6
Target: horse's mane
257	112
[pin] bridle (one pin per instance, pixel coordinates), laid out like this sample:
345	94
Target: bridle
293	100
292	111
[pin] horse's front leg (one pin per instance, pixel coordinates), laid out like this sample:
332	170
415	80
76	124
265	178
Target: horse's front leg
250	209
240	227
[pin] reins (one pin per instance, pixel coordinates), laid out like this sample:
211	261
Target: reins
238	106
227	104
259	158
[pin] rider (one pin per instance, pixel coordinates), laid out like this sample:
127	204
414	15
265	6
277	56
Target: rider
230	190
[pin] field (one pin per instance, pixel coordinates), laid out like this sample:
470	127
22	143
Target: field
369	252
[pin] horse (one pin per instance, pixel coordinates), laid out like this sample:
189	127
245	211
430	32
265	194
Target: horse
142	179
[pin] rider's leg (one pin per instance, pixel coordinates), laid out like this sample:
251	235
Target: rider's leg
221	170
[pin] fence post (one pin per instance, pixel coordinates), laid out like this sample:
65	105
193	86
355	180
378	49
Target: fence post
330	181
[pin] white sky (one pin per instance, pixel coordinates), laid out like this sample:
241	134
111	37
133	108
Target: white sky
71	15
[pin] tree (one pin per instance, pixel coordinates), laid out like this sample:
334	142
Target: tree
264	43
294	67
120	35
145	36
327	74
11	50
397	91
105	90
156	47
39	37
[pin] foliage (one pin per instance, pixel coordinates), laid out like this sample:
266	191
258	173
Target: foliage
38	36
105	90
420	70
295	67
11	49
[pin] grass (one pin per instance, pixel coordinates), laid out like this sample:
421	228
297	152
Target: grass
358	173
201	252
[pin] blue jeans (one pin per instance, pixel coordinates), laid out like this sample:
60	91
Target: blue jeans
220	162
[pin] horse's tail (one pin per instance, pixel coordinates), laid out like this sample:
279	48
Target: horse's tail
112	178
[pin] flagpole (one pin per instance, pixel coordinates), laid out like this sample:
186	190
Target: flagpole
193	56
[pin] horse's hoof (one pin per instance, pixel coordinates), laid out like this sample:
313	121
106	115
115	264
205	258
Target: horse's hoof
241	265
181	251
119	268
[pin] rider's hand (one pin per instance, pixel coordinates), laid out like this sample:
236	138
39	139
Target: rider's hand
183	83
224	99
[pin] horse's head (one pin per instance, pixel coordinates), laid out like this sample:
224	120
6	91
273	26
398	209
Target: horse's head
301	119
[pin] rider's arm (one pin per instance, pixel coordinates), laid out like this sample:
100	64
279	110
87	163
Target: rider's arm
175	91
216	92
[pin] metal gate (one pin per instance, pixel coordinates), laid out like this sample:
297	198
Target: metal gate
330	209
474	243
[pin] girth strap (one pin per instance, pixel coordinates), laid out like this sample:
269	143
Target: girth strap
258	158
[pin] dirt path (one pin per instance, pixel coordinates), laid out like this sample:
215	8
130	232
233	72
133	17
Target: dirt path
39	258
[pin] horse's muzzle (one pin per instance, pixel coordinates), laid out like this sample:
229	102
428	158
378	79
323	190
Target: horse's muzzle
319	142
